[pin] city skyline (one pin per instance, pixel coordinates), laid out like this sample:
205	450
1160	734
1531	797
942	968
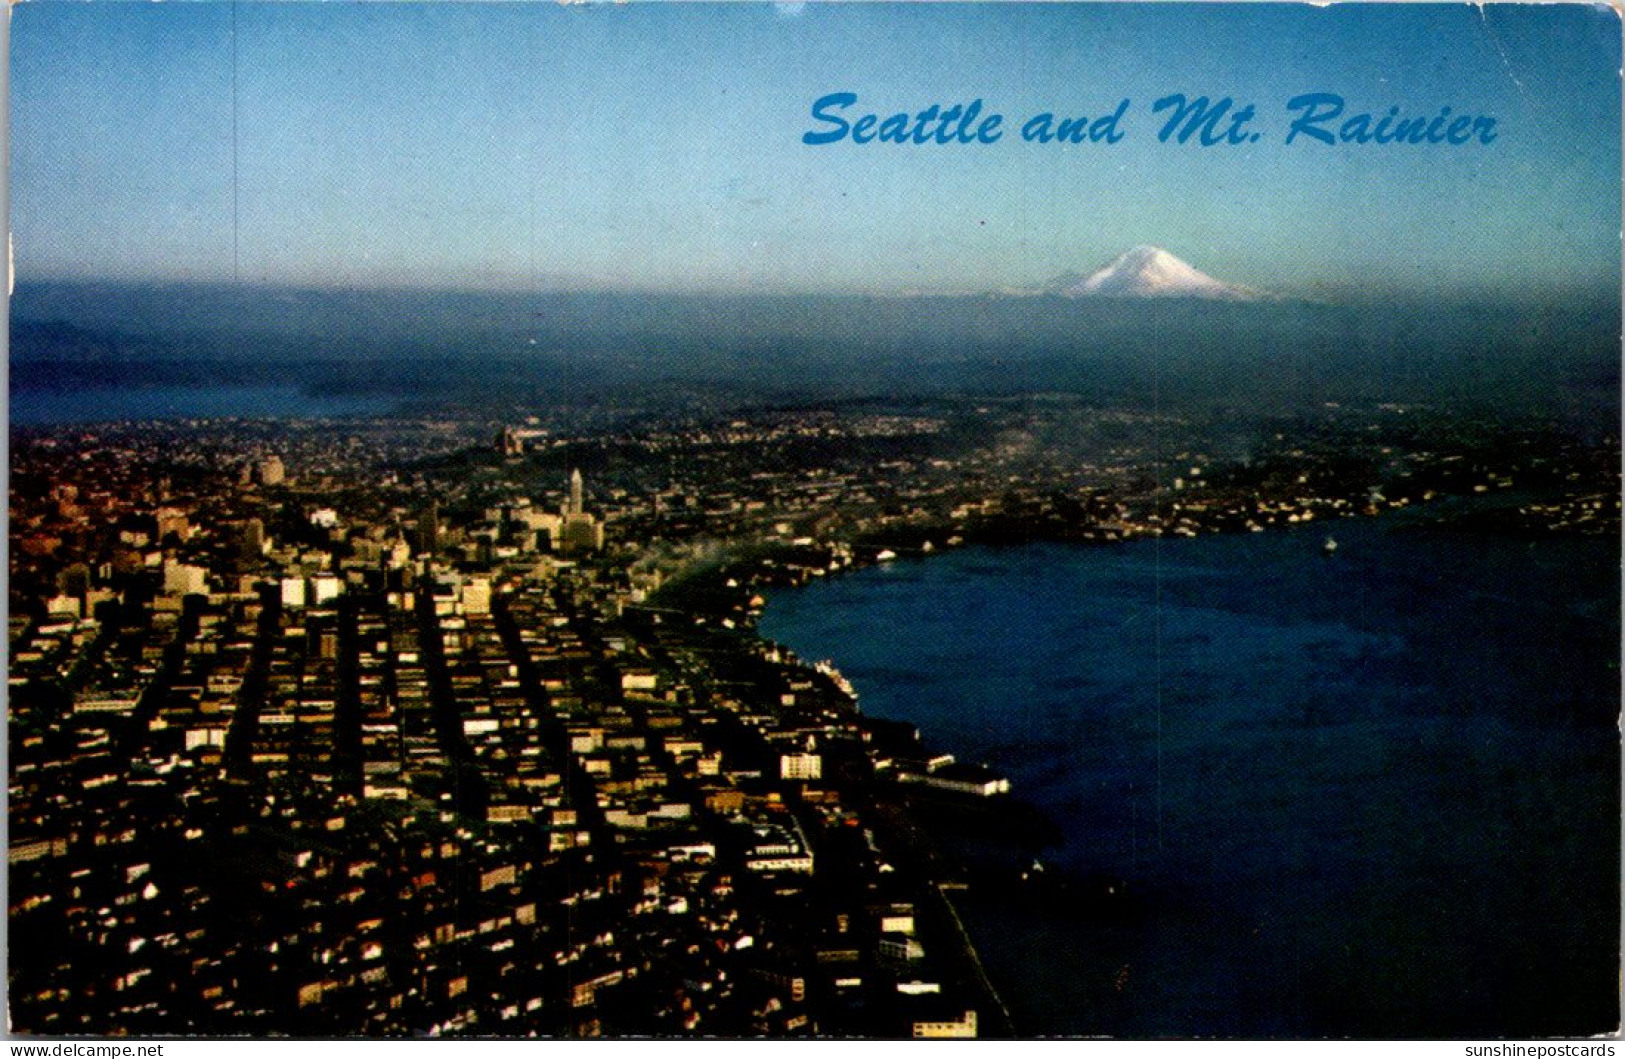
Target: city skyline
655	148
362	728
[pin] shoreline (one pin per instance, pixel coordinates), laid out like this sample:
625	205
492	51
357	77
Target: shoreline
1396	531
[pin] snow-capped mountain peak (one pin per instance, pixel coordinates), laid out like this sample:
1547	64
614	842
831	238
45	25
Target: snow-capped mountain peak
1151	272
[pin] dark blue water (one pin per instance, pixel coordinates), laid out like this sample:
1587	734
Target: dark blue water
31	407
1372	795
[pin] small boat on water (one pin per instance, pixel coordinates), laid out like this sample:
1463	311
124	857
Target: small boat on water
1330	547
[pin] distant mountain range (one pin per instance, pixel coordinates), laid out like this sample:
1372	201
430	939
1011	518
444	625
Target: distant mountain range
1151	272
1146	326
1142	272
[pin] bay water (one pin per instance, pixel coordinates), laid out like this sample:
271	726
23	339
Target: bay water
31	407
1370	794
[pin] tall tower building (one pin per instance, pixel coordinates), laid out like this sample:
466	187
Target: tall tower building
577	505
579	531
428	530
271	471
249	539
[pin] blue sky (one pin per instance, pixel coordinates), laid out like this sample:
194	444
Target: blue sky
659	146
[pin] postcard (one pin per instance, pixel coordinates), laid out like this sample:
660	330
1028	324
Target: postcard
798	520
